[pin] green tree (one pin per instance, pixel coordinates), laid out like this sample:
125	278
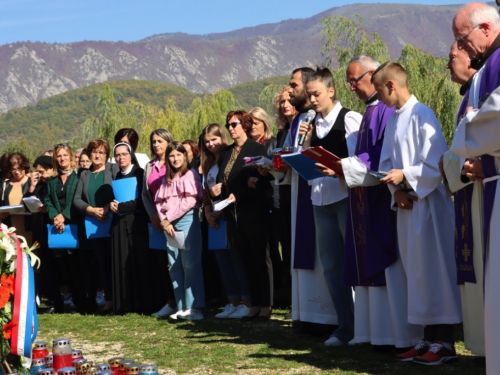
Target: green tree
346	38
427	76
22	145
186	124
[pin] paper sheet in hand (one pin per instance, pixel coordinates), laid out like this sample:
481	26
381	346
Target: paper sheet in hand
97	229
258	160
177	241
125	189
303	165
217	238
156	239
18	209
32	203
222	204
65	240
320	155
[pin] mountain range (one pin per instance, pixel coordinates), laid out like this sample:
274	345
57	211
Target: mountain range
31	71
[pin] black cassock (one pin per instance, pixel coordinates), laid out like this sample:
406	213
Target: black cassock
131	258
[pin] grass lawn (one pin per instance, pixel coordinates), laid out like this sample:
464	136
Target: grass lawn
213	346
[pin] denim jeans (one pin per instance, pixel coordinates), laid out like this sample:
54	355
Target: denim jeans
185	266
330	223
233	274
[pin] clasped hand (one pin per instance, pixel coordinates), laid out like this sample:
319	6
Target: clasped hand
100	213
59	223
404	200
473	169
113	206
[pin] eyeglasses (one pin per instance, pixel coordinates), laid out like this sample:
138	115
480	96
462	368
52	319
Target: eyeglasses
16	170
122	155
95	152
232	124
463	37
355	81
59	145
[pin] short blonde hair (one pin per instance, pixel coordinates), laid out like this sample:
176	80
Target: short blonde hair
261	115
390	71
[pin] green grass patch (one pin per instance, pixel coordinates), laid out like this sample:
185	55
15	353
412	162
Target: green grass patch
213	346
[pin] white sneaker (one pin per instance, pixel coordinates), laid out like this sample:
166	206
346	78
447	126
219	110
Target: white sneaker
177	315
241	311
192	314
228	310
164	312
333	341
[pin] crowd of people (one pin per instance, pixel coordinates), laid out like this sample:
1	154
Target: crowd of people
376	246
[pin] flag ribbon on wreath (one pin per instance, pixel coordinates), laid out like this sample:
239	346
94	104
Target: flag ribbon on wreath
25	331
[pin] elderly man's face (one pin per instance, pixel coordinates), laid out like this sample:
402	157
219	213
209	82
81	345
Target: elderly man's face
361	86
471	38
459	65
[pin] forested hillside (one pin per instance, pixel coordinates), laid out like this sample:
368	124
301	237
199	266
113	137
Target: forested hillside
61	116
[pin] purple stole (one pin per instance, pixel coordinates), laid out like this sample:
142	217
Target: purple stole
464	240
305	238
371	239
490	80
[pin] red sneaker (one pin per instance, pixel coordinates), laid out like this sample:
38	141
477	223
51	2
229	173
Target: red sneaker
437	355
420	349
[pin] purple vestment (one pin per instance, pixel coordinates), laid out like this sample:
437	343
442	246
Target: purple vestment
490	80
371	240
464	240
305	238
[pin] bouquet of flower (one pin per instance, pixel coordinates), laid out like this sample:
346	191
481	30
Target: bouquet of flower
17	299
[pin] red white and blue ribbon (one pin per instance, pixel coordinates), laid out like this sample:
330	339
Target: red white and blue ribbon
25	331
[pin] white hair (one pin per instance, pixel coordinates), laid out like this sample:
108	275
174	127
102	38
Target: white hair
367	62
485	14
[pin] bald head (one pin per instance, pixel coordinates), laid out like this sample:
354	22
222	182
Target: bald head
459	65
475	27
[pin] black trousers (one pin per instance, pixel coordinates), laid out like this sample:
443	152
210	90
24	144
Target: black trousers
252	243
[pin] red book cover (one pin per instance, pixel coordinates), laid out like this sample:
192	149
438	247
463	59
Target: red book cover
320	155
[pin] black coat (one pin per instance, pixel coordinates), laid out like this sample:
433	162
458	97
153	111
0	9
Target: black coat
251	204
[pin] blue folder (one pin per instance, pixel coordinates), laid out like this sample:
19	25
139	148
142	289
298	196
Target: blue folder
217	238
125	189
303	165
157	240
65	240
97	229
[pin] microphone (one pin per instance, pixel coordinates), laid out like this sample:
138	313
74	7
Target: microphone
311	114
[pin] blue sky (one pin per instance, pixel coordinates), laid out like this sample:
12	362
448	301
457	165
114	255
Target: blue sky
65	21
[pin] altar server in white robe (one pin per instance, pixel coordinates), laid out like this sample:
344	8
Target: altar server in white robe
468	200
311	301
372	263
476	27
413	145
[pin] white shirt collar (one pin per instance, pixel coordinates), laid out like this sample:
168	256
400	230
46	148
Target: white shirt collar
331	117
410	103
128	170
